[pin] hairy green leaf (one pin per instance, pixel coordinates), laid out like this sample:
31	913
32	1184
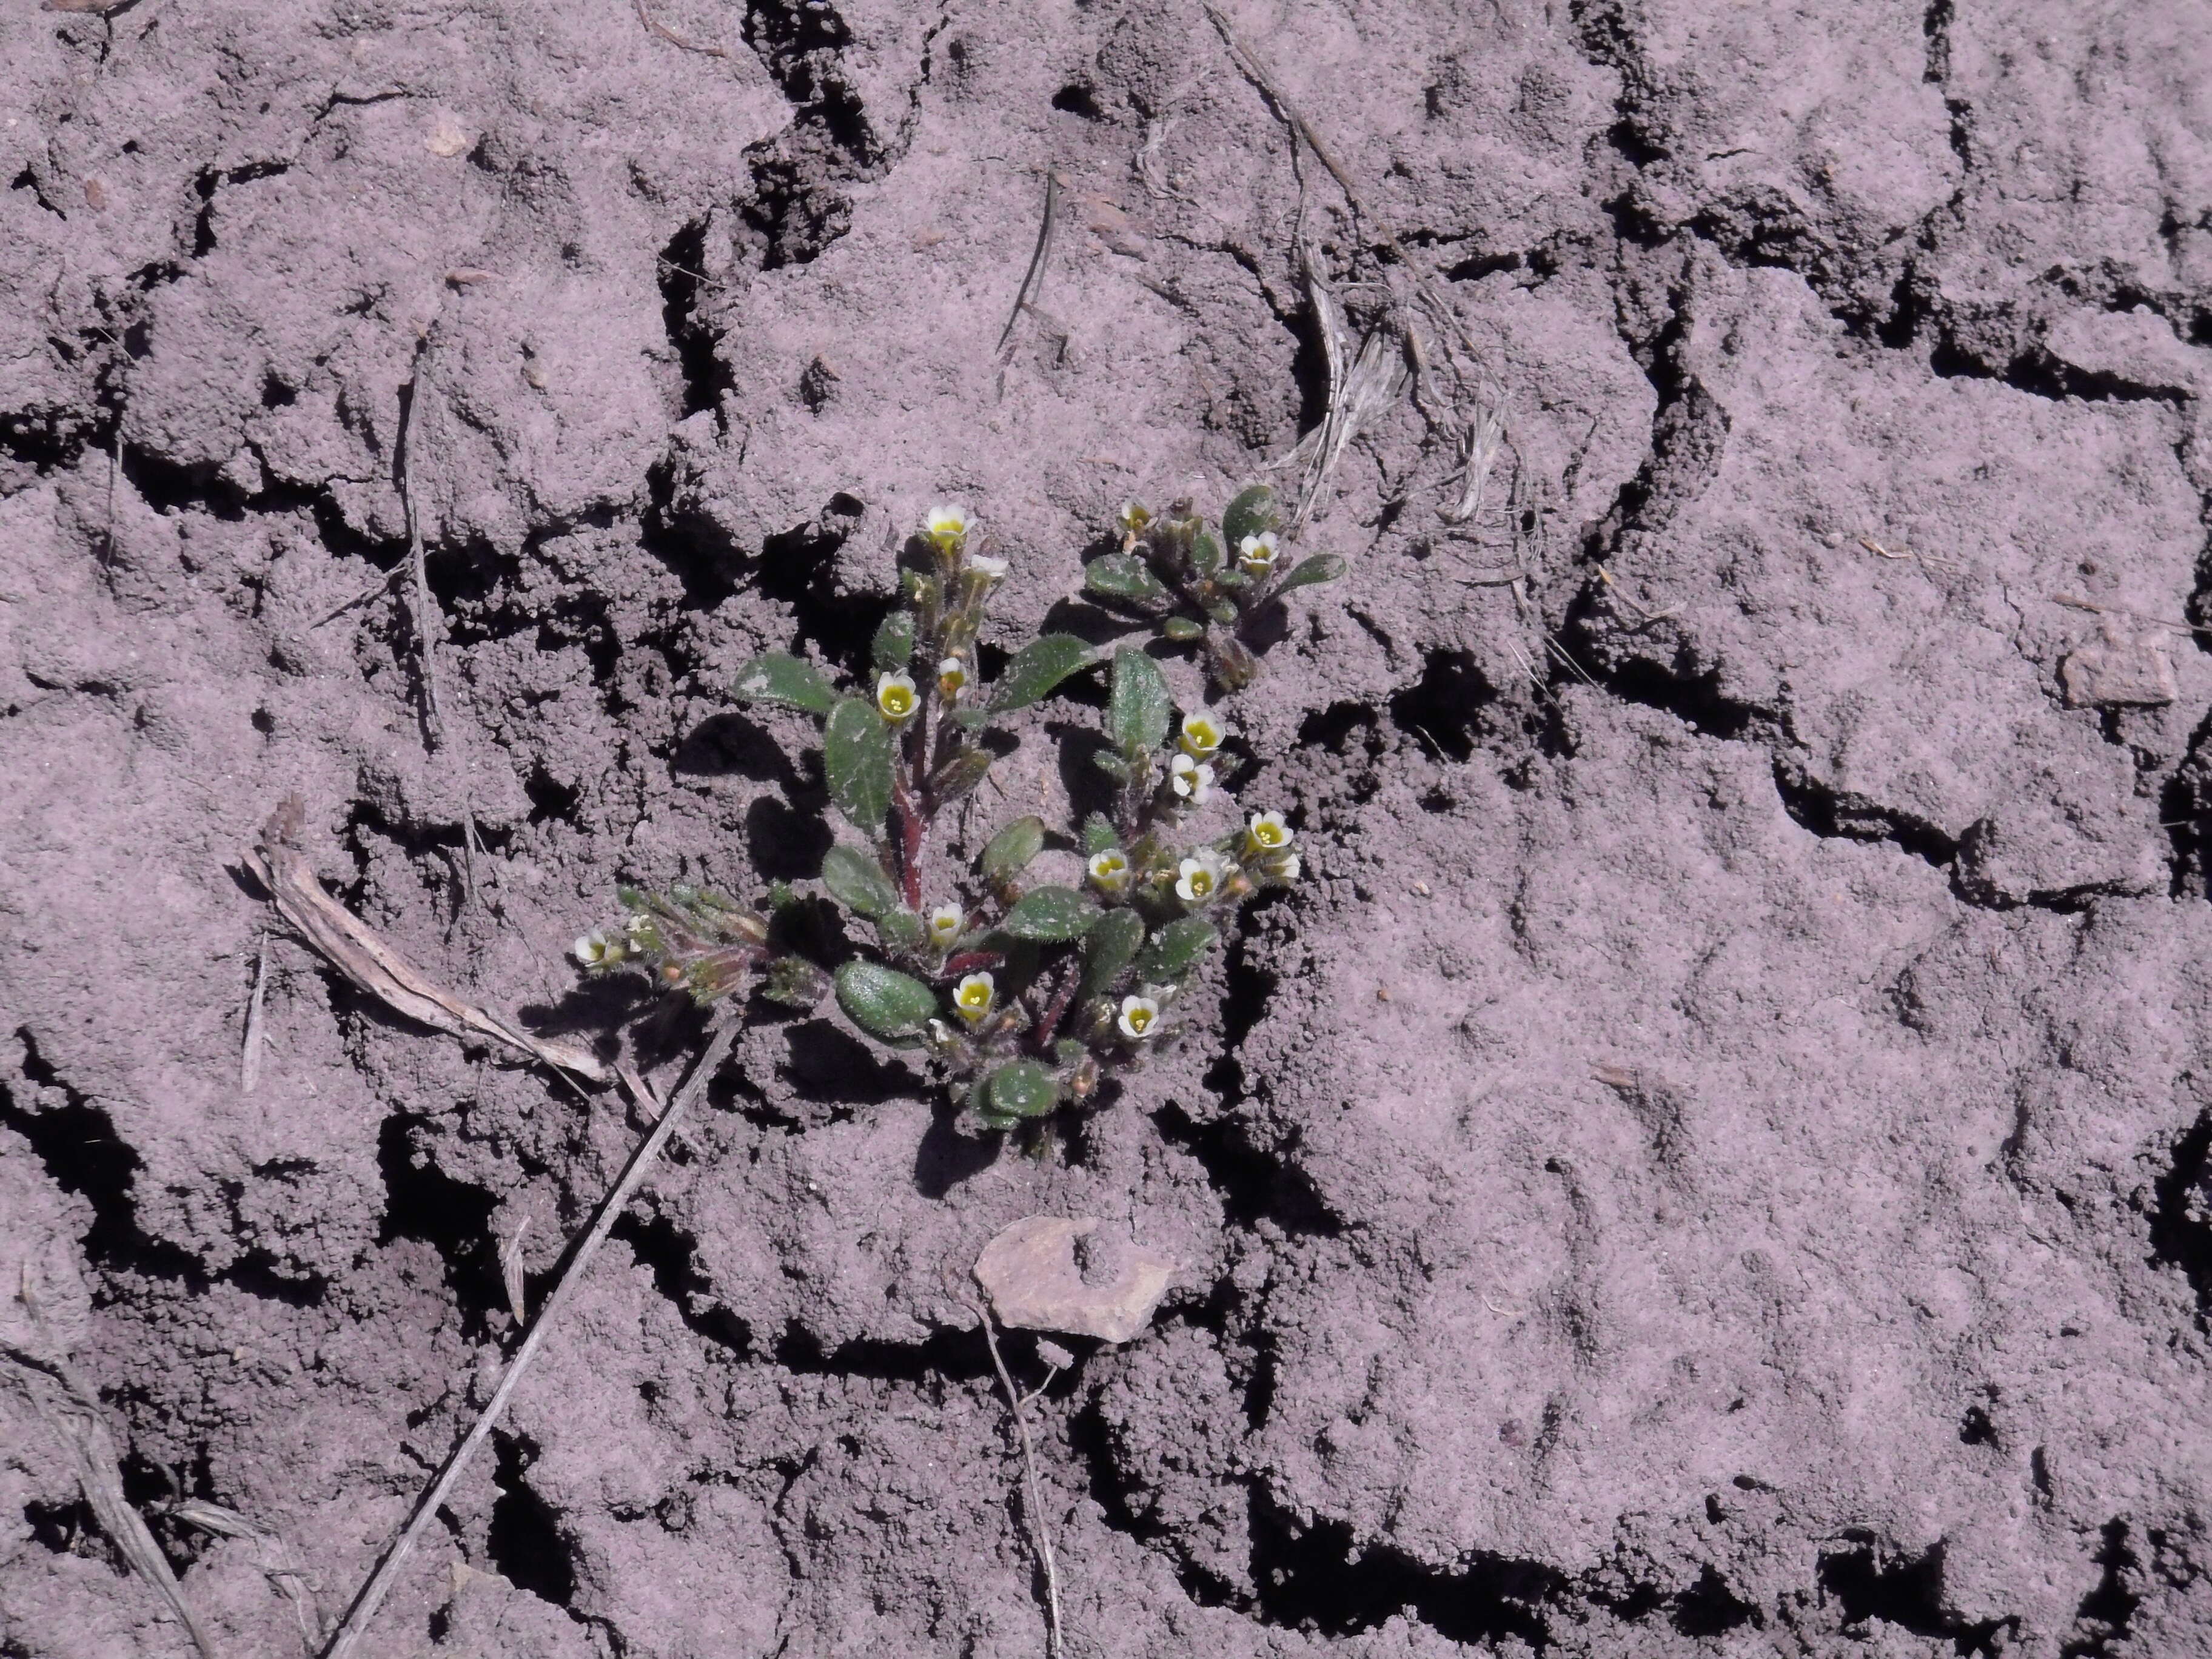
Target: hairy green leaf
794	982
1139	712
1023	1089
900	930
1181	629
1174	951
1052	915
885	1003
1108	949
959	774
1321	568
781	678
1111	764
856	753
1253	513
1125	577
1098	835
894	643
1038	668
1206	552
857	881
1011	850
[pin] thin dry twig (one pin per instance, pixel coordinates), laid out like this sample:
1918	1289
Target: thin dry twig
1039	1534
249	1056
673	38
277	1566
2076	602
1033	278
68	1404
363	957
372	1593
426	645
1257	73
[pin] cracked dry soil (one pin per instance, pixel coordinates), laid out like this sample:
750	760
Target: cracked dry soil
1717	1157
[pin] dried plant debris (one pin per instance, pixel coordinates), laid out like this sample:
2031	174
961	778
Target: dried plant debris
358	951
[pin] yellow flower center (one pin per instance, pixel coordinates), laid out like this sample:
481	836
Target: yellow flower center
1140	1019
897	701
1268	834
975	998
1201	883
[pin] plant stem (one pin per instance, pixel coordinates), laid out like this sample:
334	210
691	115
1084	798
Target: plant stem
1034	1505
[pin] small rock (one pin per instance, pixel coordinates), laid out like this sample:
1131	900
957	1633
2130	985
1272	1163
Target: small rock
1031	1274
2118	674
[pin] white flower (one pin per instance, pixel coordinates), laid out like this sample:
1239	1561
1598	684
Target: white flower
1134	516
1192	780
1201	735
946	923
1286	869
973	996
896	698
947	524
951	675
1109	869
1255	555
596	950
989	568
1139	1017
1267	833
1199	878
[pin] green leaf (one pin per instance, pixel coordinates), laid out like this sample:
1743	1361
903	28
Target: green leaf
1052	915
959	774
1038	668
900	930
1321	568
1011	850
856	881
1139	712
1098	835
1109	948
794	982
856	752
1174	951
885	1003
781	678
1206	552
1111	764
894	645
1125	577
1023	1089
1222	611
1253	513
1181	629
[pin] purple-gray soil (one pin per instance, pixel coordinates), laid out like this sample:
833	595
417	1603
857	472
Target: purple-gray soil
1716	1156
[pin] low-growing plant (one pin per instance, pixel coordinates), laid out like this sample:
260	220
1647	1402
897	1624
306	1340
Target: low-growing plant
1023	995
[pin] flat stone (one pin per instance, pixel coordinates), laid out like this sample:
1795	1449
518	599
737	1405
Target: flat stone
2119	673
1049	1273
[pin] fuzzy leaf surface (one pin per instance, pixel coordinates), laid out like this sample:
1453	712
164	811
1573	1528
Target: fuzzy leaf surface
1109	947
780	678
1321	568
1174	951
1124	577
1052	915
1036	668
1011	850
1023	1089
885	1003
1253	513
856	753
856	881
1140	709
